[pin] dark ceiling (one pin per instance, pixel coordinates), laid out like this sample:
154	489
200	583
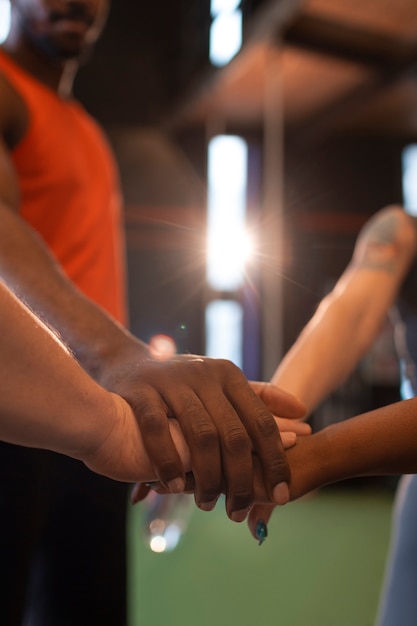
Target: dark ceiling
339	64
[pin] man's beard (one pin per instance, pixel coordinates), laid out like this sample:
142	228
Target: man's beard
45	44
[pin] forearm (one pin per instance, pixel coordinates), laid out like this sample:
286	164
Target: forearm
331	345
45	395
29	269
313	367
48	401
349	319
381	442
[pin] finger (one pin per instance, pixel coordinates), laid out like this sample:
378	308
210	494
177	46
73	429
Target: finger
258	519
260	513
236	456
266	442
295	426
139	492
278	401
162	490
202	438
152	415
288	439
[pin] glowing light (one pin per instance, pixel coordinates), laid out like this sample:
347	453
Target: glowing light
4	19
228	253
223	6
225	37
167	538
224	326
229	244
409	159
162	347
158	544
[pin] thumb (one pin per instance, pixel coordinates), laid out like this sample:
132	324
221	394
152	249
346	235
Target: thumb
278	401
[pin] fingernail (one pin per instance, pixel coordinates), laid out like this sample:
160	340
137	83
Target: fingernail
177	485
208	506
288	439
281	493
134	496
153	485
239	516
261	531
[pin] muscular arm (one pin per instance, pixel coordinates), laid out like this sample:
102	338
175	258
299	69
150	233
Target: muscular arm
48	401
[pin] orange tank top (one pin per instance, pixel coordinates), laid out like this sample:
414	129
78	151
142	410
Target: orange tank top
70	190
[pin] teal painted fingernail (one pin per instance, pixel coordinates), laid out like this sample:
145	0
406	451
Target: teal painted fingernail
261	532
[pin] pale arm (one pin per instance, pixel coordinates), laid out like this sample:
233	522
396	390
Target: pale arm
348	320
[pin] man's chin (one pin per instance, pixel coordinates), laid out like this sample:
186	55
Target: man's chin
70	46
62	49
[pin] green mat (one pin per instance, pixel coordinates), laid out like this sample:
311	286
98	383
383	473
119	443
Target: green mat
321	565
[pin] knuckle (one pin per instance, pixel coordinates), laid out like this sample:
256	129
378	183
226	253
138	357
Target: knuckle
241	500
237	442
227	365
266	425
195	367
233	373
166	469
149	421
188	403
279	467
204	435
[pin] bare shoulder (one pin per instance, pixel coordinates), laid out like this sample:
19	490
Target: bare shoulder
13	114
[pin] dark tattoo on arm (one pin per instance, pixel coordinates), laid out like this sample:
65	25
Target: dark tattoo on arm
377	245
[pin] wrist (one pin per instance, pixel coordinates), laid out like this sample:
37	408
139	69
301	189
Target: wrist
91	424
115	357
312	464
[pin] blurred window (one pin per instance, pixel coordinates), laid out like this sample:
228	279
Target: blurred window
228	246
4	19
225	31
409	159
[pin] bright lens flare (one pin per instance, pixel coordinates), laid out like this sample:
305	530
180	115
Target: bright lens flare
158	544
248	247
228	244
162	347
228	255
